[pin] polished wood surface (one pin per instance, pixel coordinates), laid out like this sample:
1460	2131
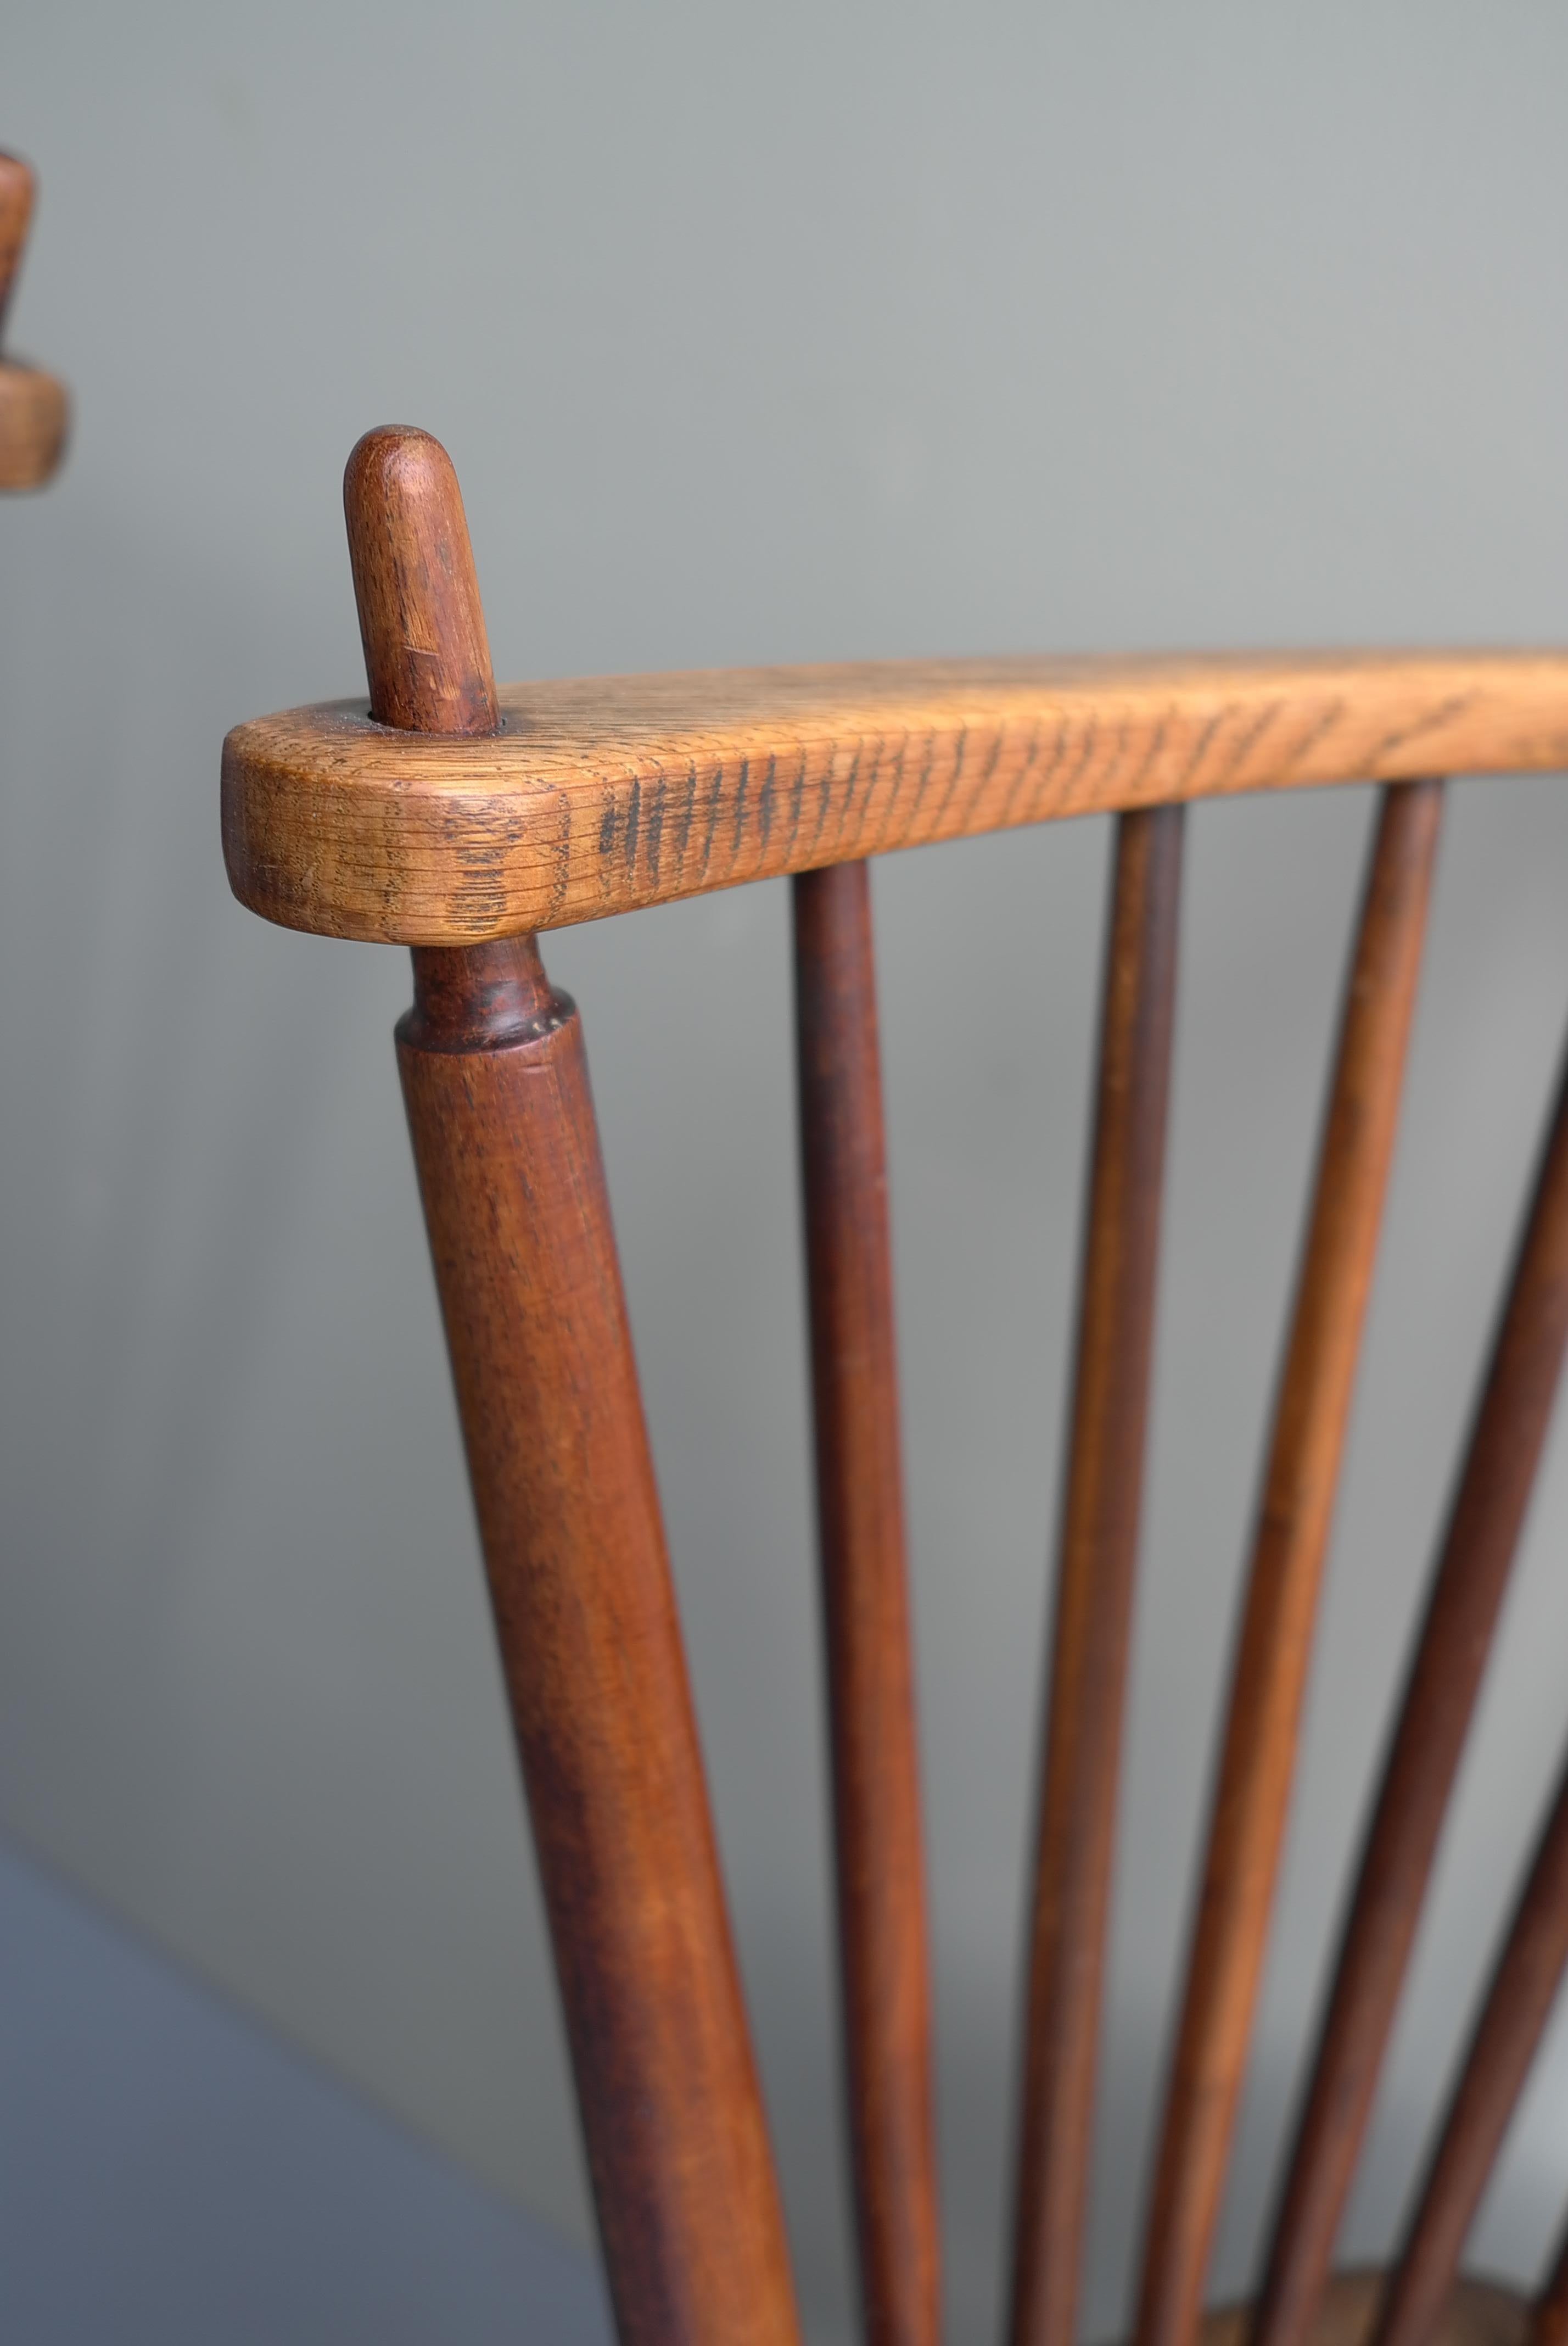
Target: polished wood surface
497	1088
35	410
1519	2000
880	1866
495	1083
604	794
427	655
1482	1532
1094	1577
1311	1413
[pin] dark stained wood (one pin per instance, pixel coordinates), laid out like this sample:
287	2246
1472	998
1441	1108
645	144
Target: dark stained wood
33	408
506	1149
1549	2315
503	1125
1519	2001
427	656
1485	1518
1311	1413
609	792
1098	1556
881	1862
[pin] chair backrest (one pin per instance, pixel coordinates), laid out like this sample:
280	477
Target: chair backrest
33	408
463	820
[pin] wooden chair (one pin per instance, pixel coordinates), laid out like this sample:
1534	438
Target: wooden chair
33	408
462	821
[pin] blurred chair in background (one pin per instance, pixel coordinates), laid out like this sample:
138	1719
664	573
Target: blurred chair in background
34	406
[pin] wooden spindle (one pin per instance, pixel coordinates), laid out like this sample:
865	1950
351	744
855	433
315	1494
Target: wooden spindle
880	1866
1518	2004
1098	1554
495	1083
1256	1764
1549	2315
1485	1518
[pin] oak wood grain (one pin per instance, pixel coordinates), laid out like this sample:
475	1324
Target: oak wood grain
506	1149
1484	1522
35	409
602	794
1311	1413
1518	2004
878	1843
1097	1559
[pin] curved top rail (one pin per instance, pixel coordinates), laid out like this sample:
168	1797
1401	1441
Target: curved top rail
599	795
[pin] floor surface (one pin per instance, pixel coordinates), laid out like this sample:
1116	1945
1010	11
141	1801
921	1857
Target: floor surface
169	2172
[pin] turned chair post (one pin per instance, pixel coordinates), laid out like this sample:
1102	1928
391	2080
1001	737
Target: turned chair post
496	1082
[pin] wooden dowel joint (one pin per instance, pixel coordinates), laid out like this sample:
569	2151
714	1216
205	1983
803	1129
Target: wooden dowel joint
474	997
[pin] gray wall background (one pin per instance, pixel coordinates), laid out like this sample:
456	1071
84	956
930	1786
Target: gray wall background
756	335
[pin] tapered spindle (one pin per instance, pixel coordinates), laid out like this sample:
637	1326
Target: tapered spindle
495	1083
1484	1523
1257	1757
1519	1999
1549	2315
880	1866
1098	1558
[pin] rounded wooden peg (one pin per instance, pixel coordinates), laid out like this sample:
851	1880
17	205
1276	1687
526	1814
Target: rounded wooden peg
427	656
17	185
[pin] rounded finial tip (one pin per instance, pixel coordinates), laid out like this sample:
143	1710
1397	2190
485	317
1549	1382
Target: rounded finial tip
427	656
